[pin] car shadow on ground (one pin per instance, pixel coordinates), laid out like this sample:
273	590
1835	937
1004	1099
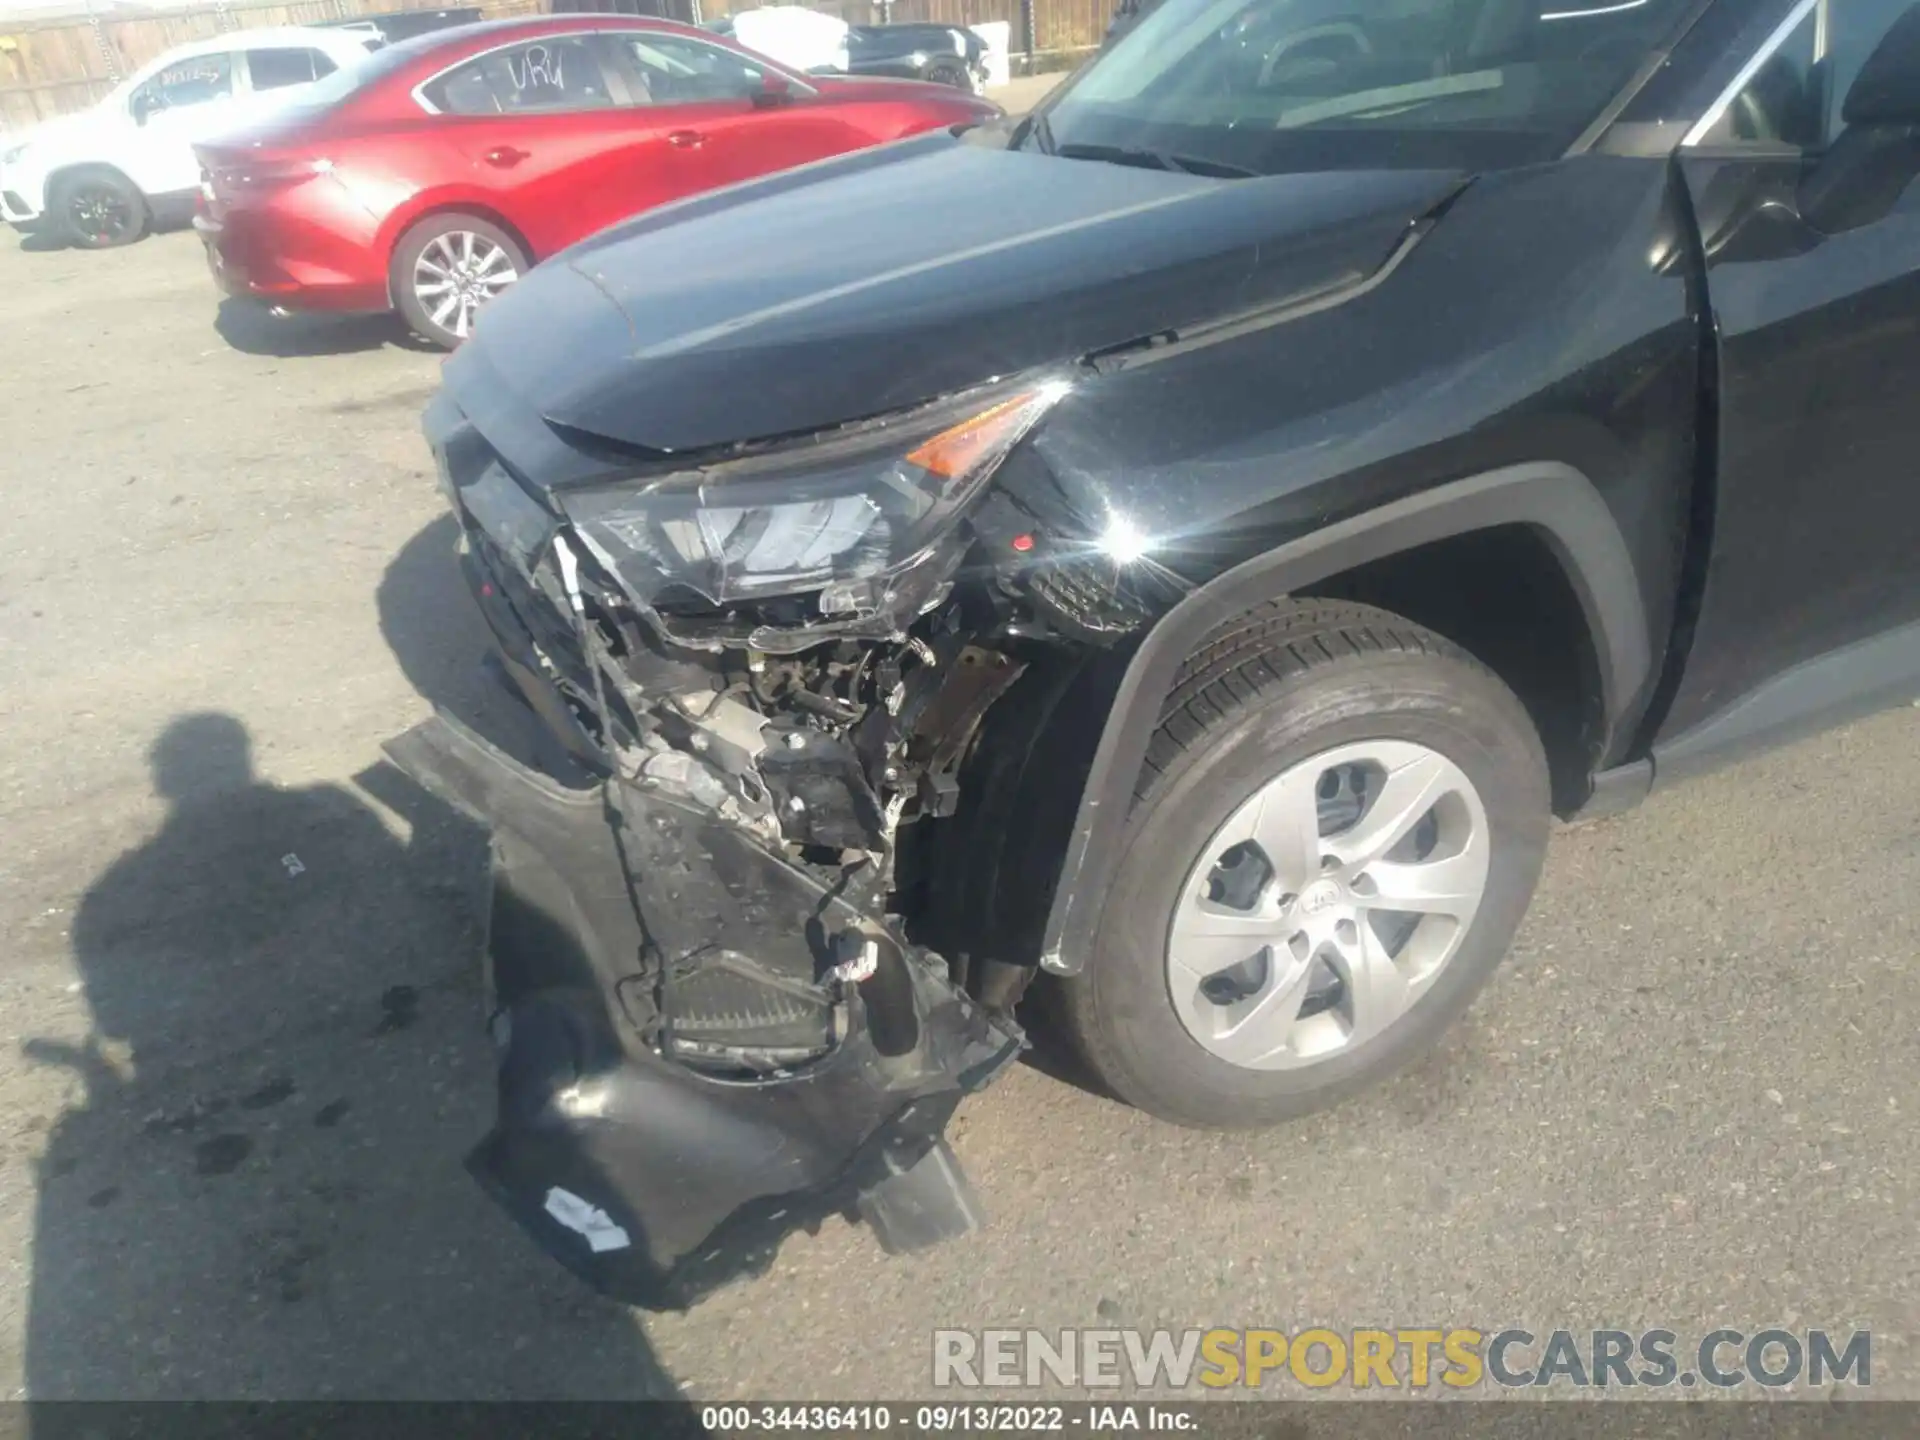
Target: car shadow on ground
46	237
1051	1050
253	329
258	1190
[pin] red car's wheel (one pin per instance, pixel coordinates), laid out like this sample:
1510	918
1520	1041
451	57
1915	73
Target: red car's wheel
445	270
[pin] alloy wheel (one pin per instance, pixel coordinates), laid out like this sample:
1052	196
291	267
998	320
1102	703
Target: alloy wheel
1327	904
100	211
458	273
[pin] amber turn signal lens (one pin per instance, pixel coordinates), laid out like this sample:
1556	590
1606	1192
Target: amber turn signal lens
956	451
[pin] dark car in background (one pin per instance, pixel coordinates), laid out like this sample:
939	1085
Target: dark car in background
943	54
1173	556
390	26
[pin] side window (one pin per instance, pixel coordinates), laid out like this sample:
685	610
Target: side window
186	82
1795	97
282	66
1858	26
1783	103
674	70
557	72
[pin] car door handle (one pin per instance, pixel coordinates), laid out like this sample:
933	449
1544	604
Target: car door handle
504	155
685	139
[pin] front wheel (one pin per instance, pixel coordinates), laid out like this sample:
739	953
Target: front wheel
952	73
98	209
445	270
1338	829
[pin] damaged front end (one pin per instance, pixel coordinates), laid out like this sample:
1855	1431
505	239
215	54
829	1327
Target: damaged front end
701	1049
714	1022
841	688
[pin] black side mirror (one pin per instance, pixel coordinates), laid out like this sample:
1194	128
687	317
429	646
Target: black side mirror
140	107
1886	92
1860	178
1877	156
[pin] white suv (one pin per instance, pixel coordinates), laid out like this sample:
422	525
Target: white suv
102	176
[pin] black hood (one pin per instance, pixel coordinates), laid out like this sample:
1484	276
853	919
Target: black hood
896	275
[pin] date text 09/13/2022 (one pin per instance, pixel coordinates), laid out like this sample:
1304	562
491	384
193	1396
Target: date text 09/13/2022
935	1419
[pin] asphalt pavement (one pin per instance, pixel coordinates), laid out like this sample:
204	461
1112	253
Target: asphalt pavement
242	1056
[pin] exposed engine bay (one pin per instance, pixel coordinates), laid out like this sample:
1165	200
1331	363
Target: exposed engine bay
823	757
814	672
745	943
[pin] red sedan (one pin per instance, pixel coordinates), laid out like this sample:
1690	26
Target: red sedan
430	176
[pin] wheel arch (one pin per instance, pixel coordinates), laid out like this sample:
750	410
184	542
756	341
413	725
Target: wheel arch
1552	500
67	168
405	223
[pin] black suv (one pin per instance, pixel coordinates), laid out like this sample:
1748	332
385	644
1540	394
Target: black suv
1171	556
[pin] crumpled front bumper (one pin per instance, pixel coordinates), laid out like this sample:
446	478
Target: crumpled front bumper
650	1179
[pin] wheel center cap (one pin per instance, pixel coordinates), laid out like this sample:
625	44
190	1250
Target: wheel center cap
1320	897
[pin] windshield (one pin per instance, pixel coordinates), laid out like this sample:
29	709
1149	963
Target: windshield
1265	86
357	74
330	90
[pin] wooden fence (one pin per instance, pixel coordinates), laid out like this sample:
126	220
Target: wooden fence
51	67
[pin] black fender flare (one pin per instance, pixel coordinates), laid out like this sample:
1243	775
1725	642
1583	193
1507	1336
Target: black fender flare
1555	499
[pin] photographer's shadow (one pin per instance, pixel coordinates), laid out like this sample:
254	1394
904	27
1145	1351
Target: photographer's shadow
258	1191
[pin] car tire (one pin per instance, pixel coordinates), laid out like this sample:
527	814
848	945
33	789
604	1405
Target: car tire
1289	695
951	73
97	208
475	257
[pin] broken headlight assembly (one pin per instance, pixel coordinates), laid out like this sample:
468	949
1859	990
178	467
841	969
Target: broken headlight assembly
858	521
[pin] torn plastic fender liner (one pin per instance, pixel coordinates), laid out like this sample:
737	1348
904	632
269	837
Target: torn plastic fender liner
654	1181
